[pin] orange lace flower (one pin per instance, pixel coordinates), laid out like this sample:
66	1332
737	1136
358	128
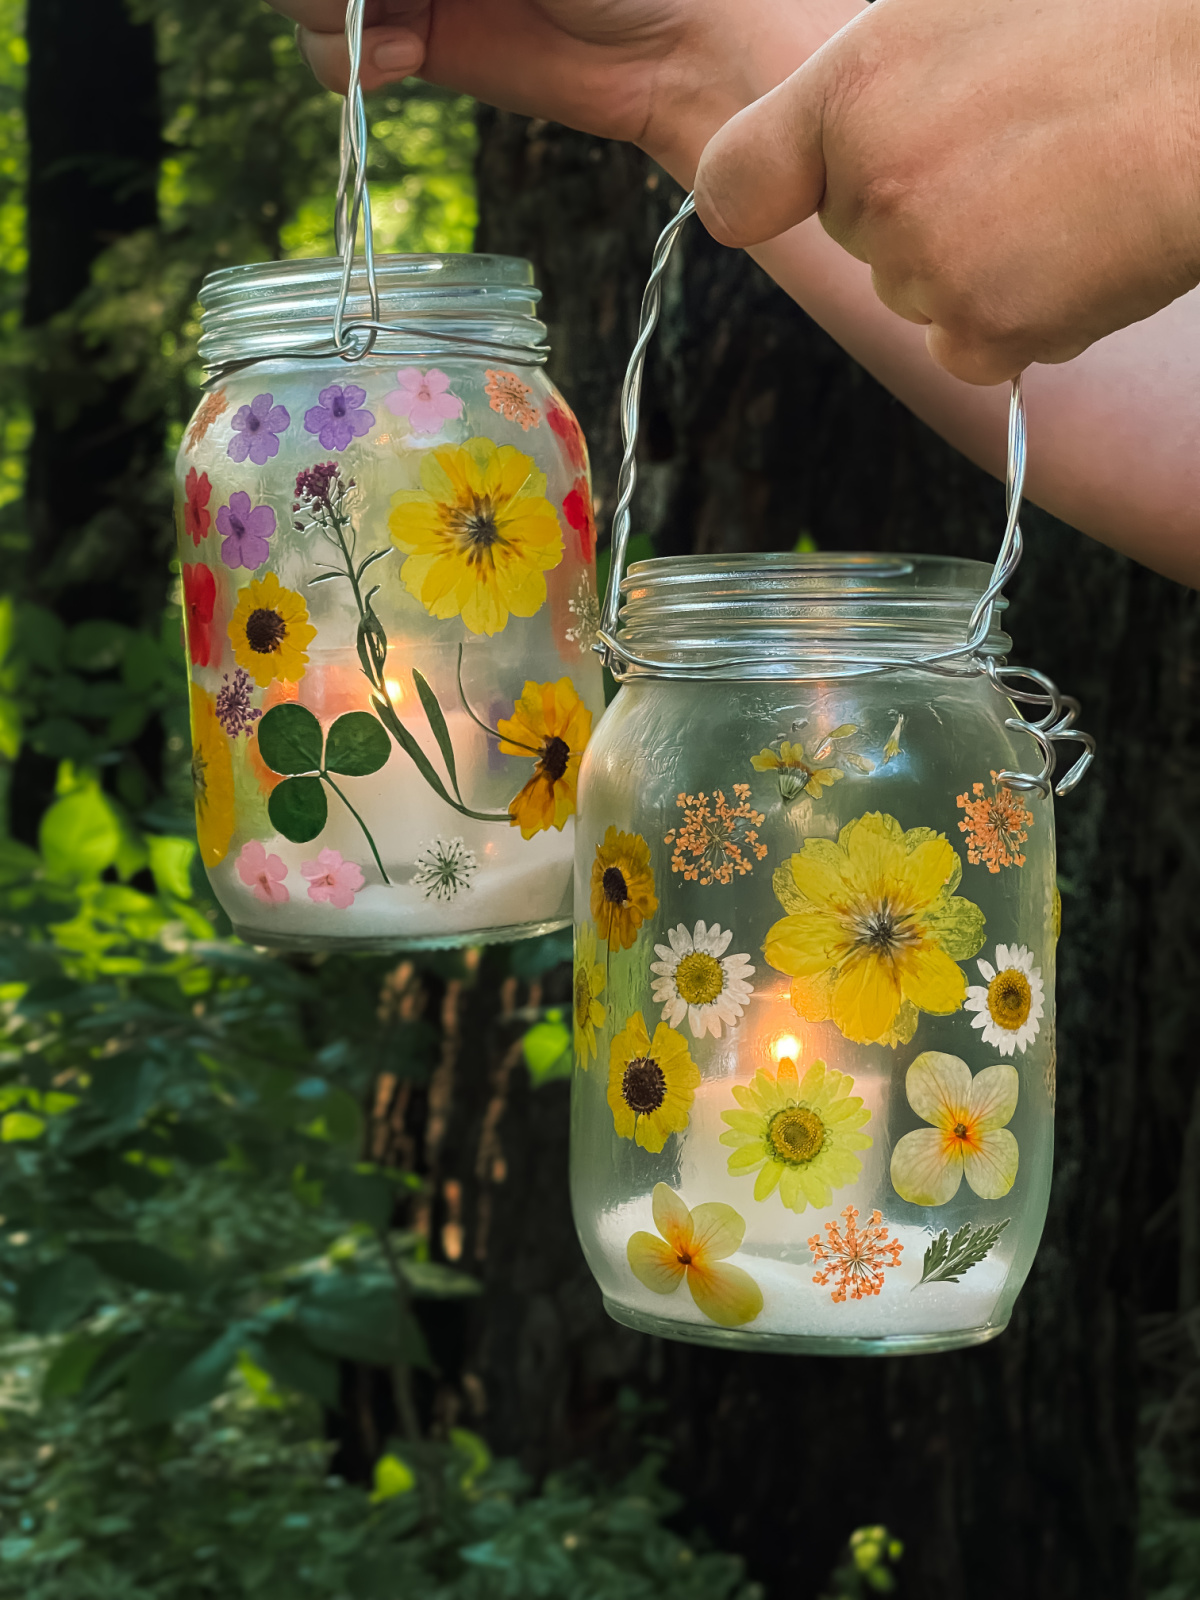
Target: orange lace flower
210	408
510	397
716	839
857	1258
996	826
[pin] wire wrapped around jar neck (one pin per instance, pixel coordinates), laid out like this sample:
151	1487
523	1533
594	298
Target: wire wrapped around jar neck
975	652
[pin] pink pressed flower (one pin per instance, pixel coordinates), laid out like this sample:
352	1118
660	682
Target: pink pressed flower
424	398
263	873
333	879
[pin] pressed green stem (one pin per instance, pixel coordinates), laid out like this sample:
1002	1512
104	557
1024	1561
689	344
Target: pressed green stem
493	732
361	823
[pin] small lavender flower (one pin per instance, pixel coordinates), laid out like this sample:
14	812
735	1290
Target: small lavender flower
339	416
234	711
256	427
244	531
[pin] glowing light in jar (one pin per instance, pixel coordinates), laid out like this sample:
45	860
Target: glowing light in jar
785	1046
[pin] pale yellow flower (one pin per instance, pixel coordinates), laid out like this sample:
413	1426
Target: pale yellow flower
694	1247
968	1136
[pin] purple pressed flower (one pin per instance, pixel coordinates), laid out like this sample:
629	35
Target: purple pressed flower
234	711
255	428
315	484
246	531
338	416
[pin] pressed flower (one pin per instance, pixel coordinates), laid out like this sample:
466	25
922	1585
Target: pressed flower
551	724
622	888
588	986
270	631
1008	1005
212	779
577	508
332	879
876	915
813	1000
256	430
857	1258
245	530
694	1246
798	1134
197	518
210	408
892	748
424	398
968	1136
585	608
235	711
697	980
511	398
996	826
339	416
563	424
717	837
199	601
263	873
444	868
797	775
479	534
651	1084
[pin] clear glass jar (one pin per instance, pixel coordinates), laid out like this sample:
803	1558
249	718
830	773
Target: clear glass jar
813	1099
390	602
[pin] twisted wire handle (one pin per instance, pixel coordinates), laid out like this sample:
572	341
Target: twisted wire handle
1054	724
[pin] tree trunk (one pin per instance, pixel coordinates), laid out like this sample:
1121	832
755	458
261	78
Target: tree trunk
1007	1470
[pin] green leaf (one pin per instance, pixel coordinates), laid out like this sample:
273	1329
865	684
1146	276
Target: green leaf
58	1294
143	1265
289	739
73	1361
438	723
363	1197
80	835
290	1359
424	766
957	924
17	1125
298	808
171	864
429	1280
177	1372
786	892
392	1477
360	1319
357	745
547	1048
948	1258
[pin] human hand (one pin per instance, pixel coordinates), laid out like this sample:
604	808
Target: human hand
1021	176
662	73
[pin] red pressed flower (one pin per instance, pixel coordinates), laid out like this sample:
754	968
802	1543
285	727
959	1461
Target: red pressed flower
577	508
196	516
199	603
562	422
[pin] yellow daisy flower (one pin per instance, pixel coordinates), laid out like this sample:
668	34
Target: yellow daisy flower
797	775
622	888
551	723
877	912
270	631
212	778
479	534
969	1137
588	986
694	1245
798	1134
651	1086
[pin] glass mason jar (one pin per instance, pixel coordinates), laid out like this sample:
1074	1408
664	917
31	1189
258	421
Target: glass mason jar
813	1099
390	603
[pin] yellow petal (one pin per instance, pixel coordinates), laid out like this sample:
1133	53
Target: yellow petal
768	1178
813	997
717	1231
939	1089
654	1263
926	869
671	1217
806	943
866	998
765	761
924	1171
930	979
819	872
994	1097
725	1294
992	1168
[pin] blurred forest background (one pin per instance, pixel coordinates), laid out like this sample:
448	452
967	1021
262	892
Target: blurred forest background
291	1304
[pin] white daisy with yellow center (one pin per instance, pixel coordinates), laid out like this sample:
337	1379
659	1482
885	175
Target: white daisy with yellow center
697	979
1008	1005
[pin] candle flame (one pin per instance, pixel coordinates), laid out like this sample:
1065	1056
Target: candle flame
785	1046
395	690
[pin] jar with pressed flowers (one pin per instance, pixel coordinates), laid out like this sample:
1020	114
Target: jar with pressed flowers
388	585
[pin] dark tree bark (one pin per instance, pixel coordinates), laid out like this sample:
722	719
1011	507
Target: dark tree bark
1008	1470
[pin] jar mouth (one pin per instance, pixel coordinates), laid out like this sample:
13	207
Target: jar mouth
779	615
430	305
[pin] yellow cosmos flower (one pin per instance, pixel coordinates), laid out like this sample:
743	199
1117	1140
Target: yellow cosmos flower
796	774
212	779
588	986
875	914
651	1086
479	534
622	888
551	723
270	631
968	1137
694	1247
798	1134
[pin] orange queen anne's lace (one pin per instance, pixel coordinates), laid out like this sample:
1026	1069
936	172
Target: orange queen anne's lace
996	826
511	398
716	839
857	1258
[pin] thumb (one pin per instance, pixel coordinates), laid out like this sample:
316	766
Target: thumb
764	171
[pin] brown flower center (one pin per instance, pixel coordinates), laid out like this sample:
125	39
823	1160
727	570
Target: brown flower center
265	631
475	527
555	755
960	1130
643	1086
1010	999
796	1135
884	930
616	890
